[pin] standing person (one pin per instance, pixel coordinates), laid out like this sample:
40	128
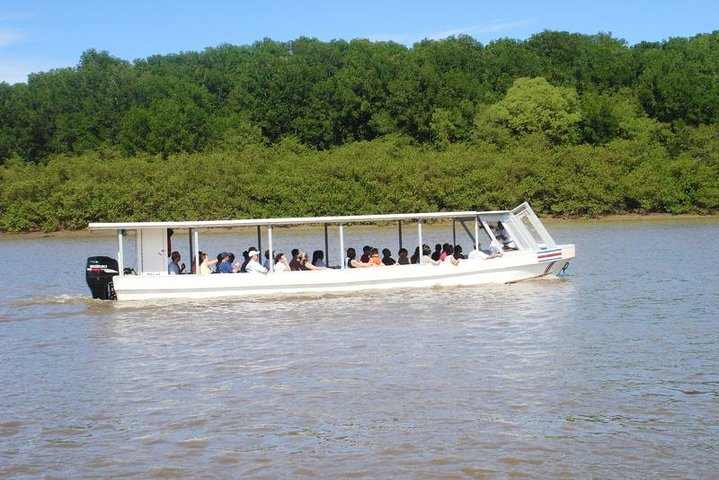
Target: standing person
253	264
174	267
294	263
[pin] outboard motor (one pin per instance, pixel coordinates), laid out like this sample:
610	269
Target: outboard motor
99	273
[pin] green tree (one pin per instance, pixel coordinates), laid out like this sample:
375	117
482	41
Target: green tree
533	106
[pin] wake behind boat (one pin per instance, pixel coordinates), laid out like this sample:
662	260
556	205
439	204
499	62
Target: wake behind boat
523	250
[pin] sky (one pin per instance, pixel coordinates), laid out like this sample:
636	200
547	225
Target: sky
40	35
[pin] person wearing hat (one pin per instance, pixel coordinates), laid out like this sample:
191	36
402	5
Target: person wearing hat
253	266
225	265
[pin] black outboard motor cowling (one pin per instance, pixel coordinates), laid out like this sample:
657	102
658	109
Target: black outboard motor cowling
99	273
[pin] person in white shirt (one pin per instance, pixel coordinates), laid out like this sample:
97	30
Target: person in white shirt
174	267
281	264
480	255
253	266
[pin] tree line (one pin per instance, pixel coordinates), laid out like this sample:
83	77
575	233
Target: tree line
577	124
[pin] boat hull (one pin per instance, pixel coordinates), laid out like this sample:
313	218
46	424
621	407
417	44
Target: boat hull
512	267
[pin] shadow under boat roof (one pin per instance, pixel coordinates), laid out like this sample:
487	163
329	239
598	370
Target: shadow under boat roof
345	219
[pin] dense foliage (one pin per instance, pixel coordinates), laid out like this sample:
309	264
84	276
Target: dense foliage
576	124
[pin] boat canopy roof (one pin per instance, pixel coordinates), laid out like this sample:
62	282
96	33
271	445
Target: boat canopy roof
251	222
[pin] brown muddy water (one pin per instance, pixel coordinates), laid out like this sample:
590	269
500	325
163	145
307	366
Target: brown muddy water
609	372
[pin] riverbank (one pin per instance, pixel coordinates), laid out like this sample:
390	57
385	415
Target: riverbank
626	217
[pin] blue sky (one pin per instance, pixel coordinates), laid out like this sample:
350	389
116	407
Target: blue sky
38	35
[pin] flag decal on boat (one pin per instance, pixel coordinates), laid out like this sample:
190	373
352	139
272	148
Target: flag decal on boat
549	255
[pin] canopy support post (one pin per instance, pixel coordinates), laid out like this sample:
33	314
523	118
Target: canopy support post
196	233
342	247
399	226
419	235
269	245
327	247
120	253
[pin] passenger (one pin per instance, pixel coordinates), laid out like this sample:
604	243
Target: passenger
450	259
437	251
365	254
352	262
226	266
387	257
443	254
402	258
281	264
478	254
253	264
374	257
305	264
458	252
415	256
205	264
503	236
246	255
294	263
318	258
427	256
174	267
266	261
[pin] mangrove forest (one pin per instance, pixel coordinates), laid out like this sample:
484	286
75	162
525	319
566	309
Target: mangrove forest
578	125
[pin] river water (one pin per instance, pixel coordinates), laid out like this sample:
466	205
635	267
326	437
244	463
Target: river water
609	372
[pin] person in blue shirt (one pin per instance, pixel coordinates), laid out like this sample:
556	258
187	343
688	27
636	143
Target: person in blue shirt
175	267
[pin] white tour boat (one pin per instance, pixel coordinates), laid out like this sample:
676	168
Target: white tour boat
533	254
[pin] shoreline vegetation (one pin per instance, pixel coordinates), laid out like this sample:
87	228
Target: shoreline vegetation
580	126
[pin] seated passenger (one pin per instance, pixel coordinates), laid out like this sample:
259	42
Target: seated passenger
352	262
266	261
226	266
205	264
294	263
365	254
174	267
443	254
374	257
243	265
478	254
402	258
450	258
387	257
253	264
318	258
415	256
305	264
281	264
427	256
437	251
